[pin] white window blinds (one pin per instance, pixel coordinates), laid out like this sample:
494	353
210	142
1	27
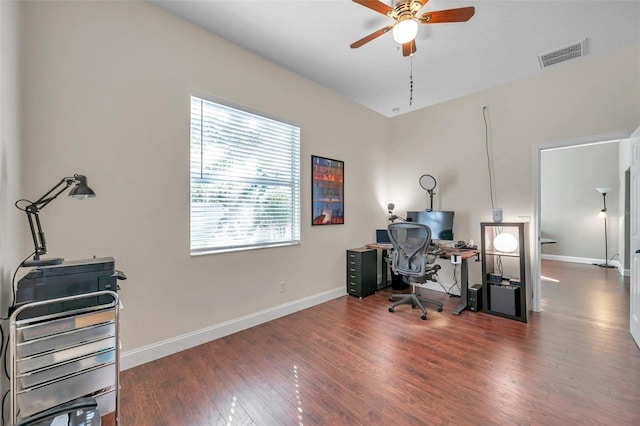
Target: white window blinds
245	179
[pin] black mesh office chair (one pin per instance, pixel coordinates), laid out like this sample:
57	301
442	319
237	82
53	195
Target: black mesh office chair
410	258
79	412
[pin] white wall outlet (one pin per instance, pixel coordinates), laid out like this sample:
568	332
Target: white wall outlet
283	286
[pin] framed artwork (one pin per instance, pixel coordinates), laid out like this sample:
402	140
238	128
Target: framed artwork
327	191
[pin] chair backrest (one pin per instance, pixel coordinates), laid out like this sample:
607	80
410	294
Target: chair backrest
410	244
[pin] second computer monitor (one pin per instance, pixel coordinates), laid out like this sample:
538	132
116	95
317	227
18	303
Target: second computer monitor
440	222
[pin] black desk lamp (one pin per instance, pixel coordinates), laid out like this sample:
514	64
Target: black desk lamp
80	191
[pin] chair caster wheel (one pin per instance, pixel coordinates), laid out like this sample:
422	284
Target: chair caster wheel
414	307
424	317
390	309
439	308
391	299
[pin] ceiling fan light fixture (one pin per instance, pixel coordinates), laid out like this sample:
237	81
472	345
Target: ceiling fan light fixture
405	30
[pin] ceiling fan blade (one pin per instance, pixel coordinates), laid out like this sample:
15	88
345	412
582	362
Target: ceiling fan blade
375	5
462	14
409	48
371	36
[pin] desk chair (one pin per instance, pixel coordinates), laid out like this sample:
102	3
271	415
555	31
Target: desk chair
409	257
79	412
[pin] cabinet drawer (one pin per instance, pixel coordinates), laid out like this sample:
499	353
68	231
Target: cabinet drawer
60	325
353	289
44	397
354	278
38	362
64	340
354	263
59	371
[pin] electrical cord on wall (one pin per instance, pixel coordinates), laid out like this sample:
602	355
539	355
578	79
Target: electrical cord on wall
2	347
9	378
6	369
3	400
13	281
492	189
489	159
4	318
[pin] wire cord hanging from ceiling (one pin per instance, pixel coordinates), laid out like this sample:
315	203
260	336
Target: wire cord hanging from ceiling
411	80
492	188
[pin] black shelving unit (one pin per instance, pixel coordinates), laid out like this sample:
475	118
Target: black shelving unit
505	274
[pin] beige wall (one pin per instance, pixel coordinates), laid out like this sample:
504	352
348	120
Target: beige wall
106	87
10	164
580	99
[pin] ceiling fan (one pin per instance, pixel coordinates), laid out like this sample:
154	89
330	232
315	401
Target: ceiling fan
405	15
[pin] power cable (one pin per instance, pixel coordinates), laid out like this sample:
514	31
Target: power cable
489	160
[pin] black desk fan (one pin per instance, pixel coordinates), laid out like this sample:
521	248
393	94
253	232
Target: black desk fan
428	183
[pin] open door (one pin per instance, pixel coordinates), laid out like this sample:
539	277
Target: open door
634	311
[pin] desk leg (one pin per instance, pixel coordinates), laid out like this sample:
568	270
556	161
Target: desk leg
385	267
464	286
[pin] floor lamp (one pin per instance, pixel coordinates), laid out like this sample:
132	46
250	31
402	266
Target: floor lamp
603	215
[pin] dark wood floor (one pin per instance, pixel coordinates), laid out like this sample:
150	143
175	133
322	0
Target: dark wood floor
350	361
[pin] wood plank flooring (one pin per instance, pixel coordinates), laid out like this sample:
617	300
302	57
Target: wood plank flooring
351	362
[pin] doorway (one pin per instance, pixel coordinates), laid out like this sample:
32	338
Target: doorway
573	180
537	191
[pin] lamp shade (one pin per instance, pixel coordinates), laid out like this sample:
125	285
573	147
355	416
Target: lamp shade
603	190
81	190
405	30
505	243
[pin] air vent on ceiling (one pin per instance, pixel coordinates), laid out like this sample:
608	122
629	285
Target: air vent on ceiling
572	51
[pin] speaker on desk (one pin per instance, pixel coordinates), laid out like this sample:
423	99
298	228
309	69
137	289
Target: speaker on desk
474	298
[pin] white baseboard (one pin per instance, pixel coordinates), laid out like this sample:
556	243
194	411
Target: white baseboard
584	260
135	357
571	259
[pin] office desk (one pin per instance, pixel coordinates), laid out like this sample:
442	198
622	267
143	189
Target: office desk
464	273
448	252
385	265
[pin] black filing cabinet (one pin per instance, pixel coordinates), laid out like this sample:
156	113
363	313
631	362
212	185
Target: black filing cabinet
362	270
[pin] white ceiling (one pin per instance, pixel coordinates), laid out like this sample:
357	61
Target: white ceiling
501	43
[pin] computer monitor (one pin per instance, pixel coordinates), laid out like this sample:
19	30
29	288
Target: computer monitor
440	222
382	236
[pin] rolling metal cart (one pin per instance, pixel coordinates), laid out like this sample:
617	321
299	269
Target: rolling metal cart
60	357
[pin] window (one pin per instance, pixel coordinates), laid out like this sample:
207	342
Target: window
245	179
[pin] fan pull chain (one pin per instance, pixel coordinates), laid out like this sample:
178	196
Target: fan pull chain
411	81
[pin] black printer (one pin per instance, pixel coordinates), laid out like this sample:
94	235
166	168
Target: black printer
69	278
